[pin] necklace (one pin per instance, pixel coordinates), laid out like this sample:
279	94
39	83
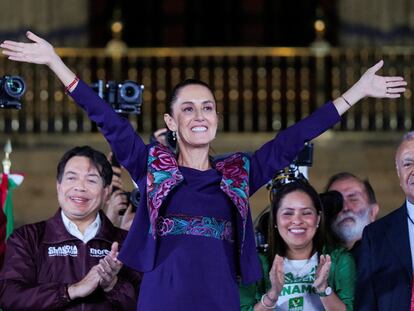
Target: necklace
291	264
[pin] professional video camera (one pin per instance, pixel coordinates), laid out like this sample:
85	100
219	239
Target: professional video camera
123	97
292	172
11	90
305	156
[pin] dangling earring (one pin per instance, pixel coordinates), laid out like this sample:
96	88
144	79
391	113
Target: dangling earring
174	135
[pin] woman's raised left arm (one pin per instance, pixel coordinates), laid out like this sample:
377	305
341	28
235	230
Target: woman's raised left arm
281	151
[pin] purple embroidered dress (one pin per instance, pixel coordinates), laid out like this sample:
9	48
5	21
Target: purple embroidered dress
192	234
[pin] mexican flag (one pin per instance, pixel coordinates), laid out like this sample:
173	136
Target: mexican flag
8	183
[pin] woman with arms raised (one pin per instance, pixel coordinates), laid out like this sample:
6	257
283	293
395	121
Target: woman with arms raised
192	235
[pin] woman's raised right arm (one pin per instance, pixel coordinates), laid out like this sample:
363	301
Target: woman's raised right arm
128	147
39	51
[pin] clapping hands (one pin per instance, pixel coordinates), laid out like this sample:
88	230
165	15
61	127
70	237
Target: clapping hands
109	268
277	277
322	273
103	274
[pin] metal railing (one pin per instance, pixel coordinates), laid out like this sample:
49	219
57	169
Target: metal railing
257	89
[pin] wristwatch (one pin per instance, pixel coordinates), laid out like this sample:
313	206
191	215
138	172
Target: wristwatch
326	292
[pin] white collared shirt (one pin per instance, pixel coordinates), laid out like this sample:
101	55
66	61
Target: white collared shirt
90	231
410	209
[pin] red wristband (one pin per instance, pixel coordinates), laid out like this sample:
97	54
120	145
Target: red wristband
67	89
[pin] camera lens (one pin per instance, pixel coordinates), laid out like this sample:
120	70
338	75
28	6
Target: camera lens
130	92
135	197
127	194
14	86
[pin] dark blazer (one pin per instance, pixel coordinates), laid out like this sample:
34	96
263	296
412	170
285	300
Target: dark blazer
385	265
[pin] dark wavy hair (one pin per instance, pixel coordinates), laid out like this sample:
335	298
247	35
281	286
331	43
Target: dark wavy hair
277	246
98	159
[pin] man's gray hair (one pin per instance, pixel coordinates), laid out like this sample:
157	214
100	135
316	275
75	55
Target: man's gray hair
407	136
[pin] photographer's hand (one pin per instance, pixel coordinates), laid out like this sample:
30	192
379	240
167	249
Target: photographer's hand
116	182
117	202
39	51
161	136
127	218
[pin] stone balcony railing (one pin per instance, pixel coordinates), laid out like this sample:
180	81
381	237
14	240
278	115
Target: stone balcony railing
258	89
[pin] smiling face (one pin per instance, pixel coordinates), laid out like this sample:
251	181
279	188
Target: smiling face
404	160
81	191
297	221
194	116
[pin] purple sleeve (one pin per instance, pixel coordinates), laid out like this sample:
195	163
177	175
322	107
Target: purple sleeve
282	150
128	147
19	289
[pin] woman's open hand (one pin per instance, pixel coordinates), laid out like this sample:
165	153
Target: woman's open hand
39	51
373	85
322	273
277	277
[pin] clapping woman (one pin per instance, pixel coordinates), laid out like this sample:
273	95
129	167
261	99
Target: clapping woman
298	273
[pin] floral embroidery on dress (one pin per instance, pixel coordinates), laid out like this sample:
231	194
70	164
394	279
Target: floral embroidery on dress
195	225
162	176
164	225
235	183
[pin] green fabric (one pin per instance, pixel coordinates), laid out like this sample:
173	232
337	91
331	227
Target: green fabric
8	208
342	277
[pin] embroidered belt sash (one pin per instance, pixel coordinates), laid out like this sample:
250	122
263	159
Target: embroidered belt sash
195	225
